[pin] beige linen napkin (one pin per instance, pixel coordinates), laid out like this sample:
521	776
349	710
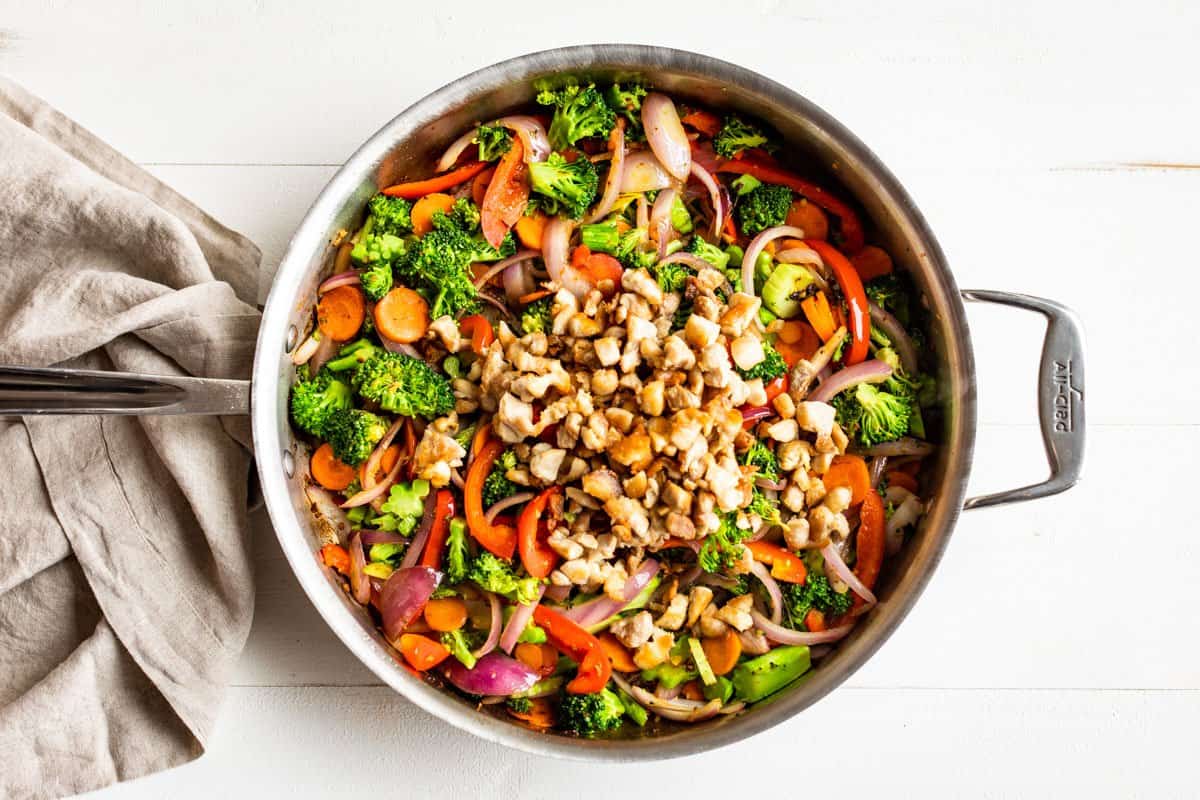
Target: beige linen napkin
125	580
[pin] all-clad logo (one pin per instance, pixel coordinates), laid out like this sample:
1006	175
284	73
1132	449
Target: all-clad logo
1065	396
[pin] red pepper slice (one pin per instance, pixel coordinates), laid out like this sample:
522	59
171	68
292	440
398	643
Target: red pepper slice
769	172
785	565
856	299
480	330
501	540
506	196
416	189
594	666
538	557
869	545
443	510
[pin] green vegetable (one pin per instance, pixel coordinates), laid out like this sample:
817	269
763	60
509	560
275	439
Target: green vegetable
536	316
870	415
603	237
736	135
378	570
465	214
521	705
714	255
587	714
457	644
404	385
493	141
764	207
627	102
389	215
893	294
315	401
744	184
707	676
465	435
543	687
672	277
387	552
353	355
785	288
439	265
379	248
565	186
376	280
816	592
764	507
721	690
404	507
681	220
669	675
452	366
722	547
497	486
762	456
579	112
496	575
762	676
633	709
632	251
353	434
532	635
771	367
456	551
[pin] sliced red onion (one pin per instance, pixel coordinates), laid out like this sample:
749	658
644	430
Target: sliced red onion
368	495
305	351
450	157
691	259
616	171
666	136
457	479
755	413
769	485
733	708
664	692
660	219
773	591
643	173
715	197
877	466
557	593
404	595
494	674
518	282
782	635
556	240
522	613
802	255
899	337
499	306
676	709
906	446
377	454
493	636
398	347
907	513
350	278
753	642
508	502
422	535
756	246
360	587
833	560
381	537
326	349
532	135
724	582
595	611
499	266
872	371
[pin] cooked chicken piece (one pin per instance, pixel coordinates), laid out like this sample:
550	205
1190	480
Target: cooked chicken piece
747	351
698	600
804	372
700	332
676	499
446	330
566	547
740	315
838	499
710	626
604	382
709	279
602	484
634	631
608	350
677	354
794	455
436	455
817	418
514	419
636	486
785	430
619	418
785	406
796	533
576	469
615	577
633	451
679	526
825	525
756	393
639	280
652	398
655	651
545	462
736	613
792	498
672	619
629	513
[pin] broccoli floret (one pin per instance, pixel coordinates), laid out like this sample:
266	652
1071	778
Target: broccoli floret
496	575
816	592
456	643
632	252
722	548
497	486
579	112
771	367
353	434
354	355
588	714
603	237
440	264
377	280
465	435
373	248
519	705
736	135
672	277
392	215
565	186
764	207
404	507
709	252
761	456
627	102
404	385
536	316
891	293
681	220
764	507
870	415
493	140
465	214
456	551
315	401
744	184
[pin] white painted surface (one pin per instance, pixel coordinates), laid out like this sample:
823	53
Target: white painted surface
1053	148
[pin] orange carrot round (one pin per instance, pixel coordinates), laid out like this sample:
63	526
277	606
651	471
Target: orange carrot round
871	262
402	315
328	471
541	658
621	660
340	313
809	218
693	690
722	652
529	230
424	209
422	652
445	613
850	471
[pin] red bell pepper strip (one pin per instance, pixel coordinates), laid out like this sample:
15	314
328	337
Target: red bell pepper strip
480	330
769	172
785	565
856	299
416	189
501	540
538	557
506	196
443	510
594	666
775	387
869	545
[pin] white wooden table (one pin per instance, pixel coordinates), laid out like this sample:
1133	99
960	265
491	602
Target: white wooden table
1054	149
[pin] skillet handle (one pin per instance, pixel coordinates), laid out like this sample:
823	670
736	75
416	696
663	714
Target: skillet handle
1060	397
55	390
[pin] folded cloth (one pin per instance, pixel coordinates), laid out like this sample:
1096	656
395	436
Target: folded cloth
126	588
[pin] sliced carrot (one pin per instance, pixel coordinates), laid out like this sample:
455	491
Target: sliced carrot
421	652
424	209
871	262
706	122
328	471
903	480
529	230
480	184
601	267
722	651
621	660
414	189
809	218
386	462
729	231
805	345
336	557
693	690
820	315
541	658
533	296
445	613
814	620
792	244
340	313
539	715
402	315
850	471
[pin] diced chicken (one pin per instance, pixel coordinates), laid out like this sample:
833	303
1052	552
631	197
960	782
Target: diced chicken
736	613
545	462
817	418
514	419
634	631
747	351
602	484
672	619
436	455
655	651
700	332
446	330
698	600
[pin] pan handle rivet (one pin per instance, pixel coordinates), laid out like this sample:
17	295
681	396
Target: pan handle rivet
289	463
291	338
